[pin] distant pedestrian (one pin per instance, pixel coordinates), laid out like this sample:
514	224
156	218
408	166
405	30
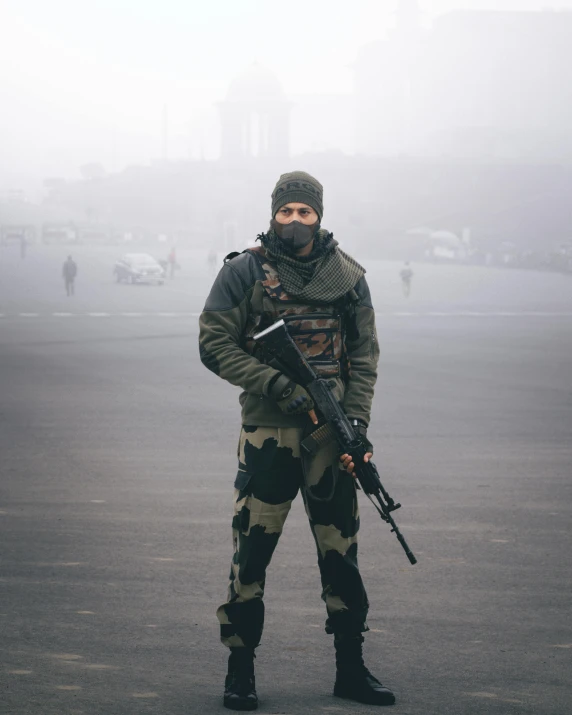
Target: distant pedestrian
406	276
23	247
69	272
212	261
172	261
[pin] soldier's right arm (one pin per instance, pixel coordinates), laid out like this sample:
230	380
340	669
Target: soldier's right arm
222	324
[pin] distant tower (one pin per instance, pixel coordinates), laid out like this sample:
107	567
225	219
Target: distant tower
255	116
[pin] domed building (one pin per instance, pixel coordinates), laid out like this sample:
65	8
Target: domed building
255	116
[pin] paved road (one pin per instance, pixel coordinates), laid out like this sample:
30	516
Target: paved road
117	457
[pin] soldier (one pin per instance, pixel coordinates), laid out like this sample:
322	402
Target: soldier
300	275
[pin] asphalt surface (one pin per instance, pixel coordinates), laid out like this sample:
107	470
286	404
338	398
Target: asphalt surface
117	457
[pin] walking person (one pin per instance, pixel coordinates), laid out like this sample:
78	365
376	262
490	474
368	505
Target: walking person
406	275
298	274
211	261
172	262
69	272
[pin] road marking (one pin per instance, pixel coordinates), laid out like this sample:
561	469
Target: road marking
482	694
476	314
66	656
161	558
396	314
68	687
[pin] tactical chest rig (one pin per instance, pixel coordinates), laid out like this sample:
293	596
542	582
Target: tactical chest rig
319	329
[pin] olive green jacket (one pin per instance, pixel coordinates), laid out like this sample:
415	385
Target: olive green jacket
224	320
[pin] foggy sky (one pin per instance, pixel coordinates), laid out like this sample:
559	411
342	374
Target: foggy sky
83	82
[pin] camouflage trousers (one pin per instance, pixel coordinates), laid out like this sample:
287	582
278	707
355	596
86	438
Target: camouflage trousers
270	475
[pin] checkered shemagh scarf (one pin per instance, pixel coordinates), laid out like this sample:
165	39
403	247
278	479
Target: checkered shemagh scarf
324	276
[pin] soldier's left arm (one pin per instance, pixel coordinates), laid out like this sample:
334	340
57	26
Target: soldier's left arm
363	353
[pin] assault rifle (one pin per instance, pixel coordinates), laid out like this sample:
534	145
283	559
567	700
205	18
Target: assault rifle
285	356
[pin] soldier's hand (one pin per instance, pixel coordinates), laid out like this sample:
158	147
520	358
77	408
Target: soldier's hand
348	464
292	398
360	429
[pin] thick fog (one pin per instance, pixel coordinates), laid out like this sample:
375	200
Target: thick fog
441	131
131	82
140	142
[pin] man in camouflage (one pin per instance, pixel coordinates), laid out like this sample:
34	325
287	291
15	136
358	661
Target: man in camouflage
299	275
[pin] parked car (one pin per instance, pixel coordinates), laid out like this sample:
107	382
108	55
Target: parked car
138	268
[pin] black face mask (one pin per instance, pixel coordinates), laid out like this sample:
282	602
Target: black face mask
295	235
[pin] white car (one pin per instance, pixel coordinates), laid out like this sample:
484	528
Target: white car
139	268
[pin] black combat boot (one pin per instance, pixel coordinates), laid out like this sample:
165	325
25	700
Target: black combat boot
239	689
353	679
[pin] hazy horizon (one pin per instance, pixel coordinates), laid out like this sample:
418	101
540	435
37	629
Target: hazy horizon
79	84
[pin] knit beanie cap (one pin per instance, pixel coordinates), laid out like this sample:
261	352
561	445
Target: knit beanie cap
298	186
